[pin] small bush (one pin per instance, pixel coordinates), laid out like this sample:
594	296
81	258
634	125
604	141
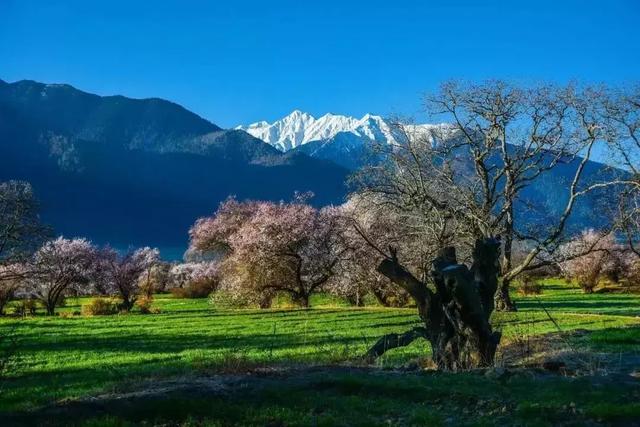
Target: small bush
279	300
145	306
195	289
588	283
100	307
530	286
66	314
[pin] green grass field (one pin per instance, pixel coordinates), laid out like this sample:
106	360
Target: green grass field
62	359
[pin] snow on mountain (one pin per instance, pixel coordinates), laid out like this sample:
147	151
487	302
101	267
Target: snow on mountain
299	128
344	140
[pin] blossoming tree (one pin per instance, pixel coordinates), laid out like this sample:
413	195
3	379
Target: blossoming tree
273	247
58	266
121	273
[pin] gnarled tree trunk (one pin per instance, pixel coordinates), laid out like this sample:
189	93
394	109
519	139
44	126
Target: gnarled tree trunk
455	316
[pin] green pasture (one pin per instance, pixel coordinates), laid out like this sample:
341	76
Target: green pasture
59	359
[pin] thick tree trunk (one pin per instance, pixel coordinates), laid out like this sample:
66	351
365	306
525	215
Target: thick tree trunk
503	299
265	301
455	316
52	299
127	303
301	299
50	307
355	300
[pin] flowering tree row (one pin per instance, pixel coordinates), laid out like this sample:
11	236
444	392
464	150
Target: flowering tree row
62	267
264	248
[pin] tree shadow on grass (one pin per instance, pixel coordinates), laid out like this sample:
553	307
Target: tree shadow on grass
123	358
621	308
329	396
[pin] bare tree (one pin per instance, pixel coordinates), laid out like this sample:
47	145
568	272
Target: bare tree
468	180
21	231
622	113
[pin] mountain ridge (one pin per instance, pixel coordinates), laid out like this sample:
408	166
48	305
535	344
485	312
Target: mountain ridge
342	139
299	128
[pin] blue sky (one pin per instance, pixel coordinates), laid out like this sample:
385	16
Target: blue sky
241	61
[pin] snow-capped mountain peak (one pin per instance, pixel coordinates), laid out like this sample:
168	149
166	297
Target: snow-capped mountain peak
299	128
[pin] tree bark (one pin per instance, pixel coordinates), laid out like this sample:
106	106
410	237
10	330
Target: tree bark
265	301
53	297
301	299
503	299
355	300
50	307
127	303
455	316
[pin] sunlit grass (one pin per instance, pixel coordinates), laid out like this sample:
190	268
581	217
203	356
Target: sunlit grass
61	358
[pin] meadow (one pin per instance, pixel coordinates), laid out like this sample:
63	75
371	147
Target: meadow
288	366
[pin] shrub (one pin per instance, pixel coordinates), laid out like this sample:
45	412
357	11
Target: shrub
145	306
147	287
392	299
588	280
530	286
100	307
66	314
530	283
195	289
